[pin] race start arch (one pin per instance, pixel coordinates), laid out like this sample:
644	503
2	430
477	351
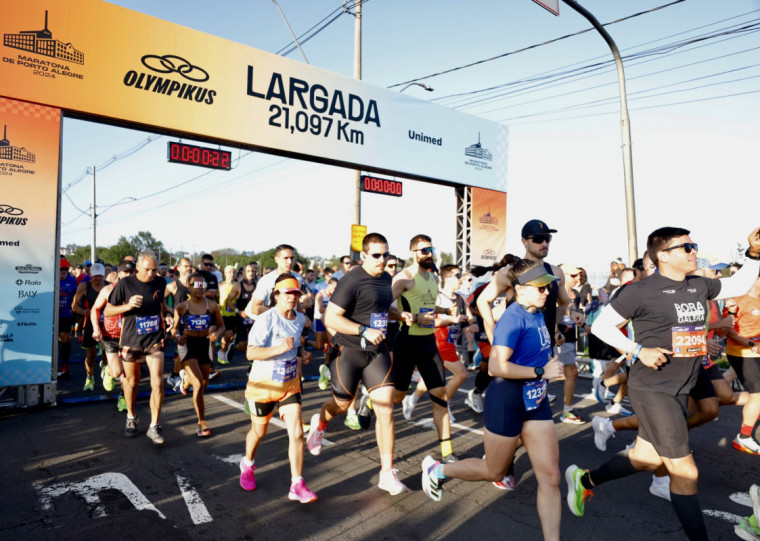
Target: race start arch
105	63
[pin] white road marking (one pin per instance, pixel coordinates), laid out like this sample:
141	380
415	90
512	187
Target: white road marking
742	498
273	421
195	506
728	517
232	459
89	491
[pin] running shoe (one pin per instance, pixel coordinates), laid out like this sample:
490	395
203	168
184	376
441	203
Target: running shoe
222	358
473	367
314	443
431	484
450	458
616	408
213	374
184	383
474	401
246	408
324	377
121	403
154	433
571	417
452	419
203	430
407	407
507	483
173	381
552	398
247	478
754	495
89	384
598	390
130	431
64	373
299	492
390	483
746	531
660	487
576	493
603	430
105	375
352	421
746	445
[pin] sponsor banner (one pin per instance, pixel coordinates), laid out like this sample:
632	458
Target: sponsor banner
488	225
29	157
96	58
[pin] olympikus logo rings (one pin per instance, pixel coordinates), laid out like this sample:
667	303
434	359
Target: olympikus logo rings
10	211
175	64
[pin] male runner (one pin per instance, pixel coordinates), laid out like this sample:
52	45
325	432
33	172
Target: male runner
668	314
67	286
179	291
416	290
140	301
261	301
358	313
84	299
536	236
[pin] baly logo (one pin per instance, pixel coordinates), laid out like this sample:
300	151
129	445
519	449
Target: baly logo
41	46
178	78
10	215
28	269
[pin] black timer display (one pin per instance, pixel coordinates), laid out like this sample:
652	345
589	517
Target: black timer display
381	185
212	158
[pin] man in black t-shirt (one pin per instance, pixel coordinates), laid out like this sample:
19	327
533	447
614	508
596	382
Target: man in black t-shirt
211	275
358	314
139	299
669	313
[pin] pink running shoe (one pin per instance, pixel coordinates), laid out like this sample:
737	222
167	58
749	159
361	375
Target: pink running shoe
247	479
300	492
507	483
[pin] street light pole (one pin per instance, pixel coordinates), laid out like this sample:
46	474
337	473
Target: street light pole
94	216
625	127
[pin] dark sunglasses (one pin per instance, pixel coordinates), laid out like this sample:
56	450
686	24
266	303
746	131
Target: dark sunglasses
208	263
687	247
544	289
540	239
378	255
427	250
391	265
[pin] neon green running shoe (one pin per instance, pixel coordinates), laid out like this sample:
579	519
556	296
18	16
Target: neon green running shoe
121	403
576	493
105	375
352	421
89	384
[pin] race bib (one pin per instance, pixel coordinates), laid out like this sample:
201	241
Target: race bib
379	321
534	392
689	341
147	324
567	320
247	321
284	370
197	323
425	311
453	334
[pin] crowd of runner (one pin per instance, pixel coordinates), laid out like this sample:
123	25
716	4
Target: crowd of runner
656	333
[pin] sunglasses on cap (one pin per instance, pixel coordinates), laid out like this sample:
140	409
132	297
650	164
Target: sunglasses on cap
427	250
379	255
687	247
540	239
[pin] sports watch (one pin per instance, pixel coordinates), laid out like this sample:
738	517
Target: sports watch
362	328
539	370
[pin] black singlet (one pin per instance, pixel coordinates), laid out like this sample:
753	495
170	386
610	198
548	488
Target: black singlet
245	295
141	327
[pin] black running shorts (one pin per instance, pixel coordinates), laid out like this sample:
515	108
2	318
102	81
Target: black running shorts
349	366
662	421
420	351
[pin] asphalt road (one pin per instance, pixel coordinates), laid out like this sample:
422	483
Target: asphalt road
68	473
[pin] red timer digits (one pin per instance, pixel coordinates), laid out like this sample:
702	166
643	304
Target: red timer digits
212	158
381	185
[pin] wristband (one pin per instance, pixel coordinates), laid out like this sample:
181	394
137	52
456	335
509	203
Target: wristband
635	356
747	255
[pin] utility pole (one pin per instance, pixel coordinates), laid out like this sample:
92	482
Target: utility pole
92	247
625	127
357	75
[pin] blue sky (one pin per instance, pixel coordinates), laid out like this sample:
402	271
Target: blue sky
693	107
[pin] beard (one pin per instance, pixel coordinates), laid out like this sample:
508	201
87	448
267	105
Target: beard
426	263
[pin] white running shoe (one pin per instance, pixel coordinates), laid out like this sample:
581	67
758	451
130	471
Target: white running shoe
452	419
390	483
754	496
616	408
603	430
474	401
407	407
746	445
660	487
314	443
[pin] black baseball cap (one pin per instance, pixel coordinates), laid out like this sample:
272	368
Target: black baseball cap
126	264
536	227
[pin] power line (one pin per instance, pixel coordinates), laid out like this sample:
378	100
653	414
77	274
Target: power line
555	40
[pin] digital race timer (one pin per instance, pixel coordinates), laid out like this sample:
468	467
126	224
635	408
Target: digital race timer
213	158
381	185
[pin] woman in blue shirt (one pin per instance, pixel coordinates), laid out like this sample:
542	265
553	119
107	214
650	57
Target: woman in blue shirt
516	406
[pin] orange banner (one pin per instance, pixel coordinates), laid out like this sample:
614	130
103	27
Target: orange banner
488	223
29	158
